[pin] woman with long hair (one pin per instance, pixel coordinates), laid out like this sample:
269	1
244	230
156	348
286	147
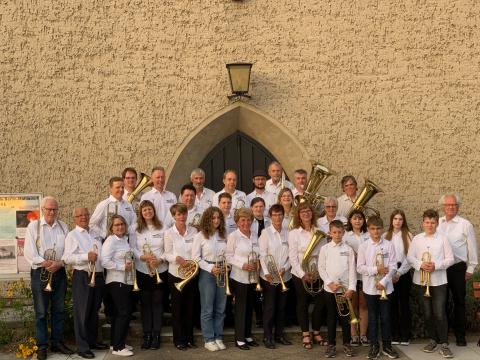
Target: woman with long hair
285	198
356	233
401	237
148	248
209	251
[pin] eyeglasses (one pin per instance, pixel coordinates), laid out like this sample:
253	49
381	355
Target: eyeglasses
330	207
50	209
121	224
450	205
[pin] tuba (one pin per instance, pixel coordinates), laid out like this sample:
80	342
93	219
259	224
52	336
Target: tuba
91	268
309	264
275	272
47	276
222	278
186	272
145	182
425	275
344	305
131	274
369	190
379	262
153	271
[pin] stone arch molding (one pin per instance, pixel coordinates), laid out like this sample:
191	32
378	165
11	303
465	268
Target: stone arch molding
238	116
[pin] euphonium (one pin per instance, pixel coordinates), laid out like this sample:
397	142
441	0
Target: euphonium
47	276
92	268
186	272
369	190
379	263
144	182
425	275
344	305
254	276
275	272
131	274
222	278
309	264
153	271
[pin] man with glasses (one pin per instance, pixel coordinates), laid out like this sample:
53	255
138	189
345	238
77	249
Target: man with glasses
130	176
330	206
461	236
44	245
345	202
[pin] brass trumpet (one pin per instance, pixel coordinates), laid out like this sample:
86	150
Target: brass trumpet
344	305
309	264
131	274
275	272
186	272
45	275
379	263
222	278
254	276
153	271
425	275
92	268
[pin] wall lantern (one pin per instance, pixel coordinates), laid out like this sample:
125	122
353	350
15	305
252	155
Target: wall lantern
239	74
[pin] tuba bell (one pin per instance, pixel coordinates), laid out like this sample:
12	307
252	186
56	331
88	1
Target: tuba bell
370	189
145	182
186	272
309	264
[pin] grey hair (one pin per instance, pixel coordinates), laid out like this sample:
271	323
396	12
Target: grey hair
78	208
330	199
48	198
197	171
275	163
158	168
457	197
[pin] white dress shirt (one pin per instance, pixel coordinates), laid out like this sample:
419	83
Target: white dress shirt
78	243
336	263
206	251
230	224
269	199
98	220
353	240
298	240
296	192
255	224
366	265
324	225
400	254
154	238
441	255
113	259
162	201
193	218
239	246
204	199
239	200
344	205
178	245
275	188
461	235
49	237
274	243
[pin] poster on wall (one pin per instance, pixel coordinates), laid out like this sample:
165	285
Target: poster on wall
16	212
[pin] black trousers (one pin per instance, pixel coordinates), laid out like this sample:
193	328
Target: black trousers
182	310
121	296
151	299
244	297
400	308
274	302
332	316
303	302
86	304
457	287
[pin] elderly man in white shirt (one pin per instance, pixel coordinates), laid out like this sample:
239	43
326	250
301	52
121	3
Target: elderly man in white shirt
204	196
259	180
239	198
331	213
274	184
299	181
161	198
461	235
345	202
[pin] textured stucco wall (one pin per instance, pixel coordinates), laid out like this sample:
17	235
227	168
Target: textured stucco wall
385	89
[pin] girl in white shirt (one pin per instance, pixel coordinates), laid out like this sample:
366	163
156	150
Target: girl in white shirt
285	198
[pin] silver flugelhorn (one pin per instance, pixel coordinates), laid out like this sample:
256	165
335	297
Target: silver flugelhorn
92	268
153	271
275	272
131	275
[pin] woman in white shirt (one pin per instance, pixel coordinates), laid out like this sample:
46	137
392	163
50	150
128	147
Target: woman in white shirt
178	241
208	250
399	234
117	259
240	246
148	248
285	198
356	234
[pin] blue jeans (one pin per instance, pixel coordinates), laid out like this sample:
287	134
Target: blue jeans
41	305
213	301
378	307
434	312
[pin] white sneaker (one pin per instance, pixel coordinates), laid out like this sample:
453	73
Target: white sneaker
123	352
211	346
128	347
405	343
220	344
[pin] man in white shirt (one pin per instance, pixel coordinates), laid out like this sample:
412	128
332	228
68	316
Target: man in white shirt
299	182
461	235
114	204
259	180
239	198
162	199
225	205
430	254
204	197
274	184
82	249
187	197
331	214
345	202
130	177
44	246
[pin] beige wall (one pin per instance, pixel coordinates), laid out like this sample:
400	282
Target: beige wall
382	89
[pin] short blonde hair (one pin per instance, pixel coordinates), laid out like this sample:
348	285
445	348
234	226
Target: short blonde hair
242	212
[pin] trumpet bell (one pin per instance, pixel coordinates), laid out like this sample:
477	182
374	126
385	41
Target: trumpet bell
48	287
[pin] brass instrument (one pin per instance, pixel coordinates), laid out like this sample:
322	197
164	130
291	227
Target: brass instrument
282	180
186	272
45	275
144	182
369	190
309	264
425	275
254	276
131	274
222	278
153	271
344	305
275	272
91	268
196	220
380	263
110	214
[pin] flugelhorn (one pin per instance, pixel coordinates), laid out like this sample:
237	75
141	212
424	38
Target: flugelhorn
144	182
344	305
309	264
153	271
186	272
254	276
131	274
425	275
370	189
275	272
378	262
222	277
92	268
45	275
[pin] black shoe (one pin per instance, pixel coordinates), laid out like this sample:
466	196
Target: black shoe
155	342
252	343
242	347
99	346
268	343
86	354
61	348
461	342
283	341
147	341
42	354
390	352
374	352
181	347
192	345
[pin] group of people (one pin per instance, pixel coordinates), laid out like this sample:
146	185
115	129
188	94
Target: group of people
202	246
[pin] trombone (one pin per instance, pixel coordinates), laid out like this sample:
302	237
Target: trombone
275	272
254	276
222	278
380	263
131	274
186	272
91	268
153	271
425	275
344	305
